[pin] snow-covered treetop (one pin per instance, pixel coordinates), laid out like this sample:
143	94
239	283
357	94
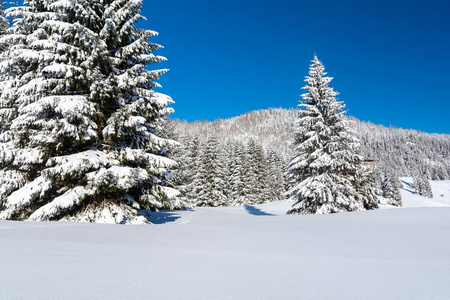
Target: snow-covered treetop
319	96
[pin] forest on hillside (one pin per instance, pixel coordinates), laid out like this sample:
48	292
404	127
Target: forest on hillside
405	152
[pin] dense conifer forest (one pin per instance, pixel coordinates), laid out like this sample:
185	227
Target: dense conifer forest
396	151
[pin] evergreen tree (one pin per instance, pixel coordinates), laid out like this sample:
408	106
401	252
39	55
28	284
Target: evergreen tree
391	189
189	169
366	183
181	172
211	176
262	190
276	182
238	176
81	122
234	164
254	182
327	173
246	175
422	186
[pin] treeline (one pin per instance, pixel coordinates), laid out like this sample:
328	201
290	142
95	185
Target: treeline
408	152
404	152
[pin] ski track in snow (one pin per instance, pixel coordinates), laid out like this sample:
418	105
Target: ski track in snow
254	252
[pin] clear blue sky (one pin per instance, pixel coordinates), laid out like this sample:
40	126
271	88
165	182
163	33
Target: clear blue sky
390	59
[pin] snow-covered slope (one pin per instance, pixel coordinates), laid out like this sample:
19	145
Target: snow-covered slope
253	252
441	193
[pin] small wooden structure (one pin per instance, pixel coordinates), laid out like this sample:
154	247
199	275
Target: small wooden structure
370	162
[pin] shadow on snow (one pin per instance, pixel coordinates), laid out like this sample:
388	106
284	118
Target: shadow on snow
160	217
256	211
408	185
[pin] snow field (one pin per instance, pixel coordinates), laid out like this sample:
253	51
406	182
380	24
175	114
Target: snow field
253	252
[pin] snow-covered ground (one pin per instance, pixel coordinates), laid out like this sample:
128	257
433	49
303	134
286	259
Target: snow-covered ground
254	252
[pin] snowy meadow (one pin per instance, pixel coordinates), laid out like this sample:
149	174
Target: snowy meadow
247	252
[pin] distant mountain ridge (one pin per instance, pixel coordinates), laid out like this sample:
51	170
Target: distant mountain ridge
403	151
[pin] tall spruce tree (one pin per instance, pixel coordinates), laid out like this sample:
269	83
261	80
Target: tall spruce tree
187	169
276	182
211	181
262	189
326	174
81	122
237	175
391	189
252	187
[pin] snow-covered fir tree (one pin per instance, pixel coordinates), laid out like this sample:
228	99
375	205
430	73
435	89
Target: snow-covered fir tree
254	179
327	174
262	191
241	183
391	189
422	185
236	193
80	138
186	172
366	182
276	182
212	174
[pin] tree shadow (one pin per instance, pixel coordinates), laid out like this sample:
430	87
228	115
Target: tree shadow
256	211
160	217
407	183
409	186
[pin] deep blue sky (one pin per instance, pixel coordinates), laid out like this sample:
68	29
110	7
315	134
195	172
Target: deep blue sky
390	59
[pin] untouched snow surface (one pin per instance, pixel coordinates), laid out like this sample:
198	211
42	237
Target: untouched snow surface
252	252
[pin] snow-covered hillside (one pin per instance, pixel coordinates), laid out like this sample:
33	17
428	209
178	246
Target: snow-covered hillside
441	192
252	252
405	151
